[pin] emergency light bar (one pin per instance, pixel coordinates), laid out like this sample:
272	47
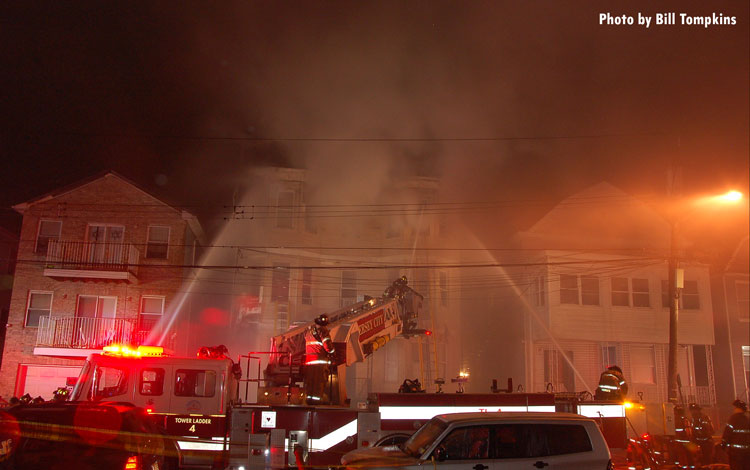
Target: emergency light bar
127	351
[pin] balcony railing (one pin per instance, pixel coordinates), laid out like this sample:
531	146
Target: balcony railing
91	333
83	332
92	256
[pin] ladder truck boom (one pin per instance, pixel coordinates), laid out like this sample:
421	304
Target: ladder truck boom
355	332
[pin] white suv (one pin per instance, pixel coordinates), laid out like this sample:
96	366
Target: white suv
495	441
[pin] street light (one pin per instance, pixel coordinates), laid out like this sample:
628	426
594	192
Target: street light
675	284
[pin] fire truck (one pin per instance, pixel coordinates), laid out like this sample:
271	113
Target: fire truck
206	403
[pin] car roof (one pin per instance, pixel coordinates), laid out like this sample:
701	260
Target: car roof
510	416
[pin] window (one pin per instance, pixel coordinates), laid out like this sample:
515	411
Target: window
307	286
690	298
40	305
700	365
443	289
285	210
280	284
589	290
518	441
151	382
743	300
151	311
609	356
558	372
195	383
48	230
620	292
642	364
109	382
158	242
568	289
564	438
94	306
641	296
348	288
467	443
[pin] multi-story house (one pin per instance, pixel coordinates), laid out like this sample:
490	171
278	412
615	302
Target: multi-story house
298	255
733	328
100	261
596	294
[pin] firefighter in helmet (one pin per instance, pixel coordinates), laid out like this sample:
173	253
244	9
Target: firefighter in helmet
736	437
703	432
319	351
681	448
612	385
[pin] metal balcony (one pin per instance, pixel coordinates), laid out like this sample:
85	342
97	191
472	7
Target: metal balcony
91	260
80	336
83	332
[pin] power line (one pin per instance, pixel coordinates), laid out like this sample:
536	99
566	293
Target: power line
210	138
357	267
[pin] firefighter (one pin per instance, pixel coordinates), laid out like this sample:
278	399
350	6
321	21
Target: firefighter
319	351
612	385
681	448
703	432
736	437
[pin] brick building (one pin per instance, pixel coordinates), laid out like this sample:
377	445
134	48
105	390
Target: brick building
98	262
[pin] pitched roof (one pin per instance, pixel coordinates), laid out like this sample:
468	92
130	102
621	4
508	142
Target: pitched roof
189	217
601	215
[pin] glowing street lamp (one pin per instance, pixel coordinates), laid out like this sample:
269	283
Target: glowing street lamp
675	284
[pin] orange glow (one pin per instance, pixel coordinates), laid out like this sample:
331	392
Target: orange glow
731	196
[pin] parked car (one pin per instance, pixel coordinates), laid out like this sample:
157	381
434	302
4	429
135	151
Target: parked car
70	435
495	441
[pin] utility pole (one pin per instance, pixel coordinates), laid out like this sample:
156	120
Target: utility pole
675	285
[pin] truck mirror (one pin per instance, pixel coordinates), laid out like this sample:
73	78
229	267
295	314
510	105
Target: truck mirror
440	453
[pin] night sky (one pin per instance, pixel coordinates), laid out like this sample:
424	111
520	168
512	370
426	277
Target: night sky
505	100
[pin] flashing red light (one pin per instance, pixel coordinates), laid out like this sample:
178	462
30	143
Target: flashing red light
149	410
427	333
133	463
127	351
646	437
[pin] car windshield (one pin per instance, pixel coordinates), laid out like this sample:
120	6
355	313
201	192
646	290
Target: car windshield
421	440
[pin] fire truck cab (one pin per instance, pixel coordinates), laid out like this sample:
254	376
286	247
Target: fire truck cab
189	397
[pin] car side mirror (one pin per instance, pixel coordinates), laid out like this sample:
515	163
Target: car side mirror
440	453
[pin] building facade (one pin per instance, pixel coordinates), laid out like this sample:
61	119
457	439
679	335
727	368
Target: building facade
597	295
297	256
733	327
98	262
